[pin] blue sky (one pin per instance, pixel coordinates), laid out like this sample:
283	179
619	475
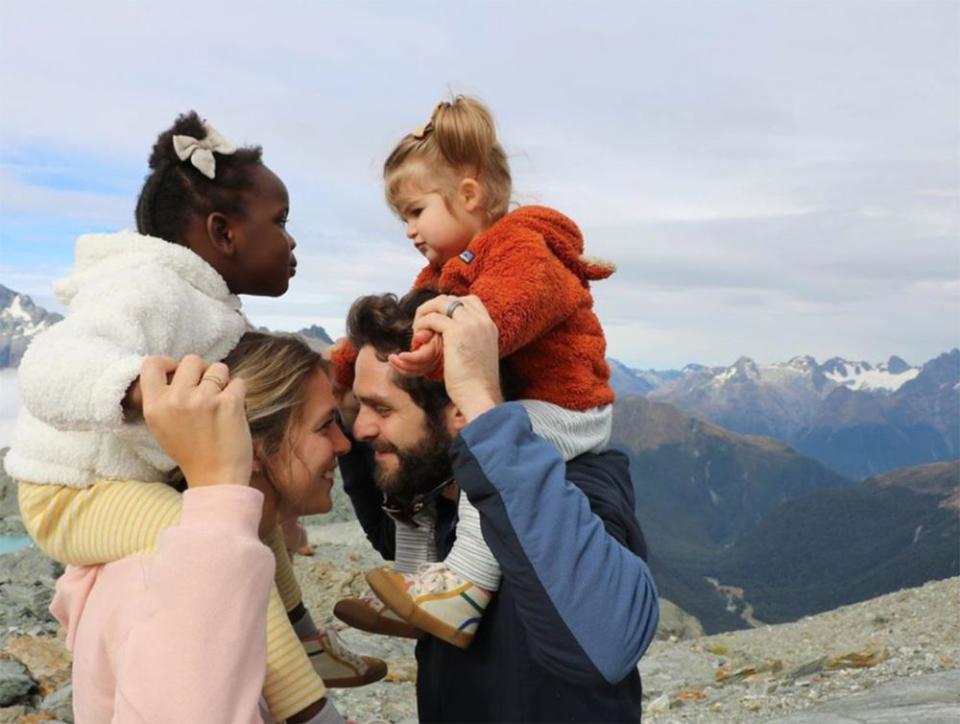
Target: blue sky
772	178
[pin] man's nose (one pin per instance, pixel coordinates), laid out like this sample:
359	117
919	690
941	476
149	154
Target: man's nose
364	427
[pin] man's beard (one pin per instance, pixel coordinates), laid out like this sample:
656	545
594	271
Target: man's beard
419	468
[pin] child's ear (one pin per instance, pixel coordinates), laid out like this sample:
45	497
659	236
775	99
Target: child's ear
220	233
471	194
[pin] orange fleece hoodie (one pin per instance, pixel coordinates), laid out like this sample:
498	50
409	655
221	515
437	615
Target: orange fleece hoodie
530	272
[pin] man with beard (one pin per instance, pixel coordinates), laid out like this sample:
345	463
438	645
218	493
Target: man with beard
577	606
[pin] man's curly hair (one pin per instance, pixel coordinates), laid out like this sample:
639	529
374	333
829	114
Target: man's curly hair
385	322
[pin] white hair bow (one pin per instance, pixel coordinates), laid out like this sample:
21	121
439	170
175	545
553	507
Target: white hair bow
200	152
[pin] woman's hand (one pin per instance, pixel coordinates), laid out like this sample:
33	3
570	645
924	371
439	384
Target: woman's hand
198	418
471	364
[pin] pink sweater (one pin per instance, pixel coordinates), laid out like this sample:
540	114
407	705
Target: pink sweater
177	636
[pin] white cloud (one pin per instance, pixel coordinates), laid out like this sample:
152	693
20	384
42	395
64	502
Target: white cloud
766	175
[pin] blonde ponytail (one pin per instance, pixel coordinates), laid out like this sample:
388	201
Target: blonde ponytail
458	141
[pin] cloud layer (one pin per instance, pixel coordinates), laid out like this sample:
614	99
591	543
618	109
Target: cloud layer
771	178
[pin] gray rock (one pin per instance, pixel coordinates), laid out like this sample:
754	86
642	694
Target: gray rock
15	681
60	704
675	622
10	523
929	698
808	668
675	668
27	579
12	714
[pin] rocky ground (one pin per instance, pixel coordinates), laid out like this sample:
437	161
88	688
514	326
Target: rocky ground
901	650
895	658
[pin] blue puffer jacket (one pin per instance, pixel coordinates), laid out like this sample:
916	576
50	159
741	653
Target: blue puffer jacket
577	606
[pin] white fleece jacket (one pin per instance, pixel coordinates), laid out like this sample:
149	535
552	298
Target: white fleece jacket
128	296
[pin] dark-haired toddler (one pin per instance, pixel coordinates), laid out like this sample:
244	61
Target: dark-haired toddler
211	224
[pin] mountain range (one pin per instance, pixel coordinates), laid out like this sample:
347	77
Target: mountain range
712	484
21	319
858	418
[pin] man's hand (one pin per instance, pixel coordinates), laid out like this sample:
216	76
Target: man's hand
471	365
198	418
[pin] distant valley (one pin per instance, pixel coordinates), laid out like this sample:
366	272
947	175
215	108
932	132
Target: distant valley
832	548
743	529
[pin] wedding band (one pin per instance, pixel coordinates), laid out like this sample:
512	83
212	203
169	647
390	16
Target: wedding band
215	380
453	307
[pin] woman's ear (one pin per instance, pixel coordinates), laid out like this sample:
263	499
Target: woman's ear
220	233
259	466
471	194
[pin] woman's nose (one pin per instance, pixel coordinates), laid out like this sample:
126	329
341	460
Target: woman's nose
341	445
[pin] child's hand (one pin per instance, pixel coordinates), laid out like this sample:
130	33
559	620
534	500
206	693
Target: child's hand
327	353
471	368
133	402
423	359
346	402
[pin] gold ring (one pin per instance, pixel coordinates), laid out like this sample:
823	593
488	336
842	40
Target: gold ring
215	380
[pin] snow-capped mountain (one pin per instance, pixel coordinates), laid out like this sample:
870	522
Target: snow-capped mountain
20	320
819	380
861	434
887	376
858	417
